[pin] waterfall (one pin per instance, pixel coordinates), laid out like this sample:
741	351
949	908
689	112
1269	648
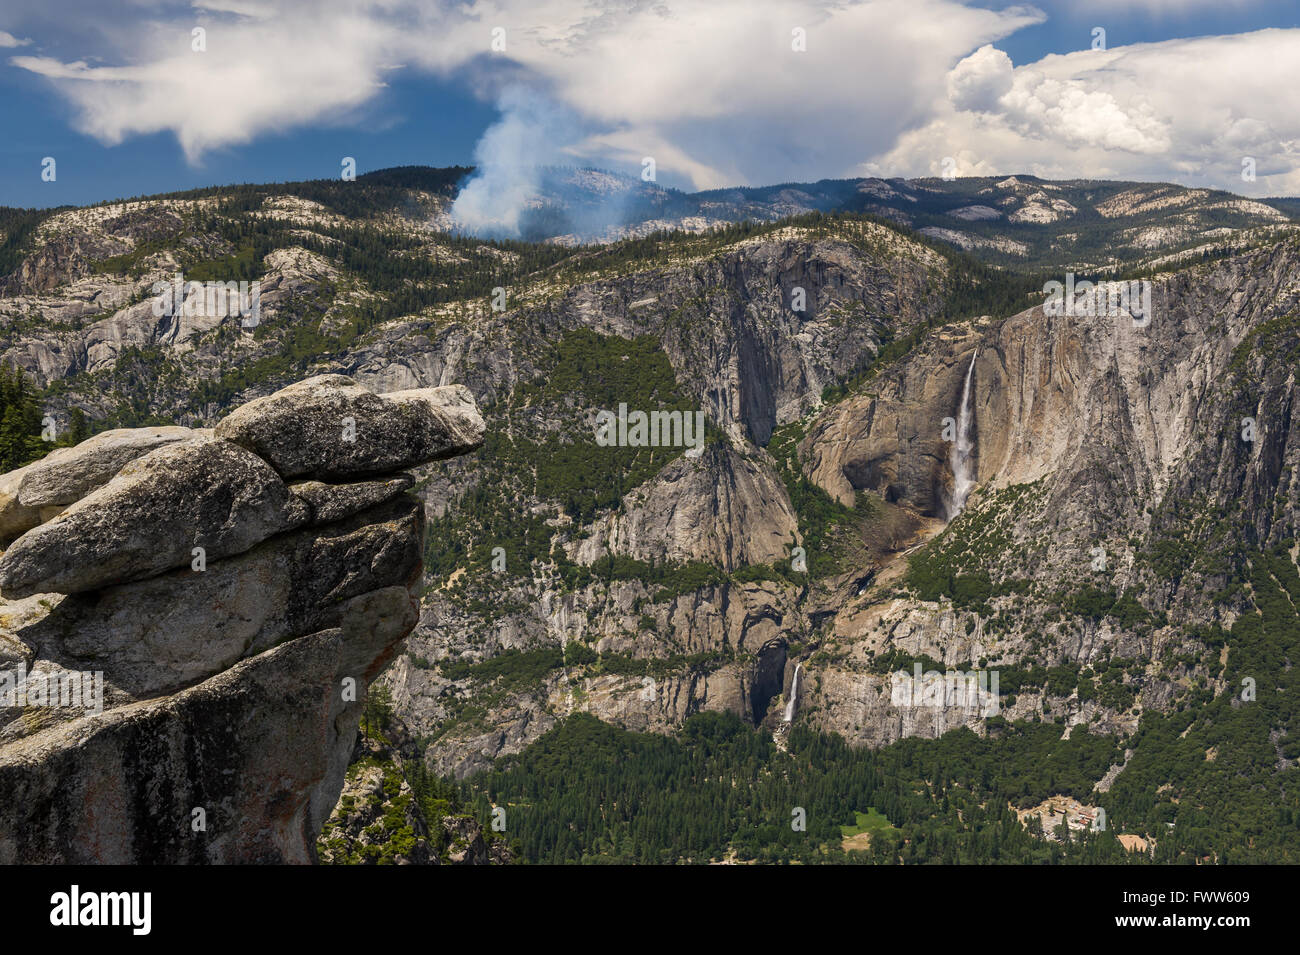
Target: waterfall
794	694
962	477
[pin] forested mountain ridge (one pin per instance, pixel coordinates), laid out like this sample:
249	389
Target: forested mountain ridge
646	586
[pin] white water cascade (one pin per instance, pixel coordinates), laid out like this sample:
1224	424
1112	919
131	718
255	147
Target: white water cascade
963	477
794	694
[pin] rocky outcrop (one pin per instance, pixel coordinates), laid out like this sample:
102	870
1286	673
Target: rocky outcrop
722	642
185	650
39	491
331	428
206	494
382	819
891	439
723	509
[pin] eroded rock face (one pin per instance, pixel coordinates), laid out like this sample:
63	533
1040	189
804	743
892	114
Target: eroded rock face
1097	436
66	475
891	440
69	474
207	494
261	748
333	502
171	630
722	509
1089	431
212	705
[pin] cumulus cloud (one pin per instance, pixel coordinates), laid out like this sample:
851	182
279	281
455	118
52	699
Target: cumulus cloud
979	82
714	90
1070	110
1188	110
8	41
717	94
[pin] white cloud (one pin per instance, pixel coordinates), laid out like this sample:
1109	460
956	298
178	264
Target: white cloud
8	41
251	79
715	92
1188	110
1172	6
980	81
712	88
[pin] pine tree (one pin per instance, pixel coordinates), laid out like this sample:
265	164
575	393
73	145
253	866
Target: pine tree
20	421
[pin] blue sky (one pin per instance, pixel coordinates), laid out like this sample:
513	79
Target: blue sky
714	91
1069	24
418	120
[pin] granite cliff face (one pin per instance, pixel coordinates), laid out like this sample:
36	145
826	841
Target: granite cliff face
186	641
1109	452
1102	442
715	636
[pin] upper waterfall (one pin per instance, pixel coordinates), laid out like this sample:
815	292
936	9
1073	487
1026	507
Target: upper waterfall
794	694
963	476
